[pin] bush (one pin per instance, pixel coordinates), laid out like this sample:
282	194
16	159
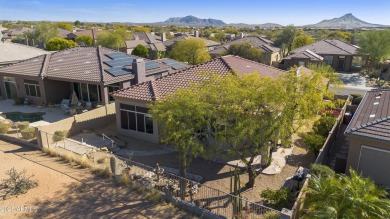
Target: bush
124	180
68	156
19	101
50	152
4	128
271	215
276	197
314	142
16	183
322	171
22	125
60	135
324	125
356	99
106	173
339	103
155	196
85	163
28	133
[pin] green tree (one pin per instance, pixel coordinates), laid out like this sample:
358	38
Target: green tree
375	44
44	31
192	51
245	50
65	25
84	40
58	43
140	29
220	36
344	196
286	38
302	40
140	50
77	23
112	40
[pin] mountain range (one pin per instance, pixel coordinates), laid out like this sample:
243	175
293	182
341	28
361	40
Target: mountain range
346	21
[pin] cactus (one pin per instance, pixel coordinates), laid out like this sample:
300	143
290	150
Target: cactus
235	189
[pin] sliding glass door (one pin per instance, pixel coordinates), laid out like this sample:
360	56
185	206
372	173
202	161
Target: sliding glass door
10	88
87	92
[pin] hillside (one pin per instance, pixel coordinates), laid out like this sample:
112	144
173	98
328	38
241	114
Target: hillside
348	21
193	21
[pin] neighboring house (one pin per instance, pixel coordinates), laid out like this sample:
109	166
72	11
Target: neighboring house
369	136
302	58
271	53
131	103
14	32
342	56
175	65
92	33
211	45
91	72
150	41
63	33
11	53
3	29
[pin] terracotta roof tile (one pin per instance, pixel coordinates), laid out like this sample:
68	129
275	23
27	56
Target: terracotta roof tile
331	47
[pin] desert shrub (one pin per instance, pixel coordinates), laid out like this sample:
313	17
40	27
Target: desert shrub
50	152
324	125
4	128
16	183
102	160
19	101
28	133
314	142
356	99
105	173
124	180
339	103
85	163
68	156
322	171
60	135
22	125
276	197
155	196
271	215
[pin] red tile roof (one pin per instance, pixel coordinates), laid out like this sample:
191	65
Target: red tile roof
223	66
372	118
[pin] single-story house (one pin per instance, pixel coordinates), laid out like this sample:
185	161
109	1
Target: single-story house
369	137
92	33
210	44
302	58
11	53
14	32
341	55
90	72
271	54
150	41
131	103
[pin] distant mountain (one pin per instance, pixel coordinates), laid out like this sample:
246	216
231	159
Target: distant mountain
193	21
348	21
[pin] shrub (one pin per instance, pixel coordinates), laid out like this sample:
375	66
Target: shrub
28	133
124	180
4	128
322	171
271	215
19	101
102	160
356	99
22	125
50	152
314	142
324	125
106	173
60	135
339	103
68	156
85	163
17	183
276	197
155	196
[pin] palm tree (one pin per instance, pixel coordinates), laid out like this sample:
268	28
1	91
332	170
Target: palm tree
344	196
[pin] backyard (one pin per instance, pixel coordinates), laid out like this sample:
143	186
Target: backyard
71	191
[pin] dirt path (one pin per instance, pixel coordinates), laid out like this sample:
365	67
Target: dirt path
68	192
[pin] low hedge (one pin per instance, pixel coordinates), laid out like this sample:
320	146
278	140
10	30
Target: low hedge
4	128
22	125
60	135
28	133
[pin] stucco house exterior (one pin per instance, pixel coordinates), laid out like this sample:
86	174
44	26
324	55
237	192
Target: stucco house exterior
131	103
341	55
271	54
369	136
91	72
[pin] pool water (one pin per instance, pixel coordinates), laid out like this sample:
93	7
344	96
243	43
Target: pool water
28	117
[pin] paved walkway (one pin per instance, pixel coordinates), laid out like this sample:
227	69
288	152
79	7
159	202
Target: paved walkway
353	83
340	148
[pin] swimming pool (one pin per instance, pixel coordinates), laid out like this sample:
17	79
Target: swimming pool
28	117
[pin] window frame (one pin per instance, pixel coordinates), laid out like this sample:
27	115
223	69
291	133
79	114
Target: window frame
138	112
30	85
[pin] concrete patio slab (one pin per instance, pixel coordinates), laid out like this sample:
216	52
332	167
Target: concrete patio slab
278	161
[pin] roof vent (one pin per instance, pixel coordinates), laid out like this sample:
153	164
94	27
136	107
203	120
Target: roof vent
55	69
87	62
378	97
248	66
87	72
372	115
60	60
89	54
376	103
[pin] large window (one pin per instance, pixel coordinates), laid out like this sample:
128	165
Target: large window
87	92
328	60
112	88
136	118
32	88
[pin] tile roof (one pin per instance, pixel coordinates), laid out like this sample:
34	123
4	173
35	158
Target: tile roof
76	64
261	43
158	88
131	44
329	47
63	33
147	37
172	41
14	52
306	54
17	31
372	118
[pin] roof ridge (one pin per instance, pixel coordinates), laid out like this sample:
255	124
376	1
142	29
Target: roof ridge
45	65
100	63
377	121
259	63
30	47
328	41
154	97
23	61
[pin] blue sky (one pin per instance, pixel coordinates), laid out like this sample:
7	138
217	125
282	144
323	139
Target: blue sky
239	11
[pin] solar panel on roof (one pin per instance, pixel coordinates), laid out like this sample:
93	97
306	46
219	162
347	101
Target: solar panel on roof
117	55
175	64
119	63
151	65
118	71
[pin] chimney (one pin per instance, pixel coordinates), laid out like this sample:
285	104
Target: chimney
138	66
163	37
197	33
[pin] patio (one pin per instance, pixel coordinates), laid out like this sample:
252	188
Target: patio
51	114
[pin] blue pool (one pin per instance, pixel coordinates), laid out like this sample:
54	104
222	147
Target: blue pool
28	117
